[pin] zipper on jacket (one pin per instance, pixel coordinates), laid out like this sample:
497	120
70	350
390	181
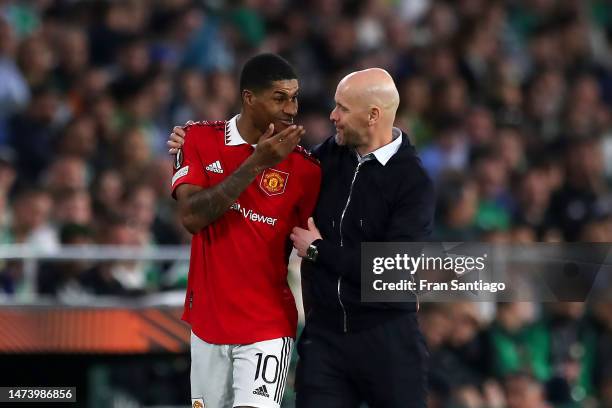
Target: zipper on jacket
348	200
342	305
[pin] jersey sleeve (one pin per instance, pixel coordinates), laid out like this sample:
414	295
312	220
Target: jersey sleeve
188	167
311	194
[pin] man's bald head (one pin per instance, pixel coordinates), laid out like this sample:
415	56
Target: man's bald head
372	87
366	104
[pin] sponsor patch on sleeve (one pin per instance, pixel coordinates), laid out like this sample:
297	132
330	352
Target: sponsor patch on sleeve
180	173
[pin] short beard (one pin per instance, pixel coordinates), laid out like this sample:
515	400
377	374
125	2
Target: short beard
339	141
350	139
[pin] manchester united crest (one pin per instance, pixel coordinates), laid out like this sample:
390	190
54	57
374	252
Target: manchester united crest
273	182
198	403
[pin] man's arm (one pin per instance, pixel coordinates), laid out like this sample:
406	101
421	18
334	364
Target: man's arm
411	221
201	206
305	210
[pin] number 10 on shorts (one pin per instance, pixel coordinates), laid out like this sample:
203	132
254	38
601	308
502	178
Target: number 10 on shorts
264	368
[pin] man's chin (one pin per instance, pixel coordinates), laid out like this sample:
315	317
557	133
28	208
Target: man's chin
339	139
281	125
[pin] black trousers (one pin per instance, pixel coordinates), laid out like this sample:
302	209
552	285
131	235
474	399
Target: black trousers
385	366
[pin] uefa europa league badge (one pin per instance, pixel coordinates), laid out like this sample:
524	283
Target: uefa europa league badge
178	159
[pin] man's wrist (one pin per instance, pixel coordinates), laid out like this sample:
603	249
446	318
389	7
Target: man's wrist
312	252
252	167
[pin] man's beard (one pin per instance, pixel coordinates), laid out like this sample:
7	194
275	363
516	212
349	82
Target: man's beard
348	138
339	139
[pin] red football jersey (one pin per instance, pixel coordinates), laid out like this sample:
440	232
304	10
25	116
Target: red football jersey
237	291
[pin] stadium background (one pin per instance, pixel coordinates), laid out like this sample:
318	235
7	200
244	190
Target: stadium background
508	103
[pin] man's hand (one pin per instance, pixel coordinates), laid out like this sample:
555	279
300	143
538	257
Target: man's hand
302	238
177	138
272	149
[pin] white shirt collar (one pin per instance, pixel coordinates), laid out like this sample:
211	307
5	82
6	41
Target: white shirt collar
232	135
384	153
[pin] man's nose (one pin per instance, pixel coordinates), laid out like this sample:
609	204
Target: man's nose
291	108
332	115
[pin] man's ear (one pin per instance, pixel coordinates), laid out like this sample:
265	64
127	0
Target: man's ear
374	115
248	97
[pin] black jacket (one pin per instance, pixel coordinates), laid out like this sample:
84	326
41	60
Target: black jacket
391	203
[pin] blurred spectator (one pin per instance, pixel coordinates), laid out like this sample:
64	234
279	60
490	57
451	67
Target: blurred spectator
31	220
30	225
585	195
118	277
524	391
133	156
206	48
73	58
449	149
573	348
468	344
8	174
518	345
585	113
509	143
119	20
496	202
133	61
79	139
66	172
435	325
73	206
14	91
192	92
415	100
36	60
480	127
32	133
533	195
108	189
318	124
456	206
165	230
139	209
65	279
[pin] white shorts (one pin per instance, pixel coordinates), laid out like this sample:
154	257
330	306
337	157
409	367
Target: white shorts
252	375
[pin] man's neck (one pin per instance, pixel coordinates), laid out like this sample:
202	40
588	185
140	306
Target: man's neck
247	129
378	140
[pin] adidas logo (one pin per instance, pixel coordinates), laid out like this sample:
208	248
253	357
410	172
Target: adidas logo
215	167
262	391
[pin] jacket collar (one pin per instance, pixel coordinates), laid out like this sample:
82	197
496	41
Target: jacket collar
384	153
